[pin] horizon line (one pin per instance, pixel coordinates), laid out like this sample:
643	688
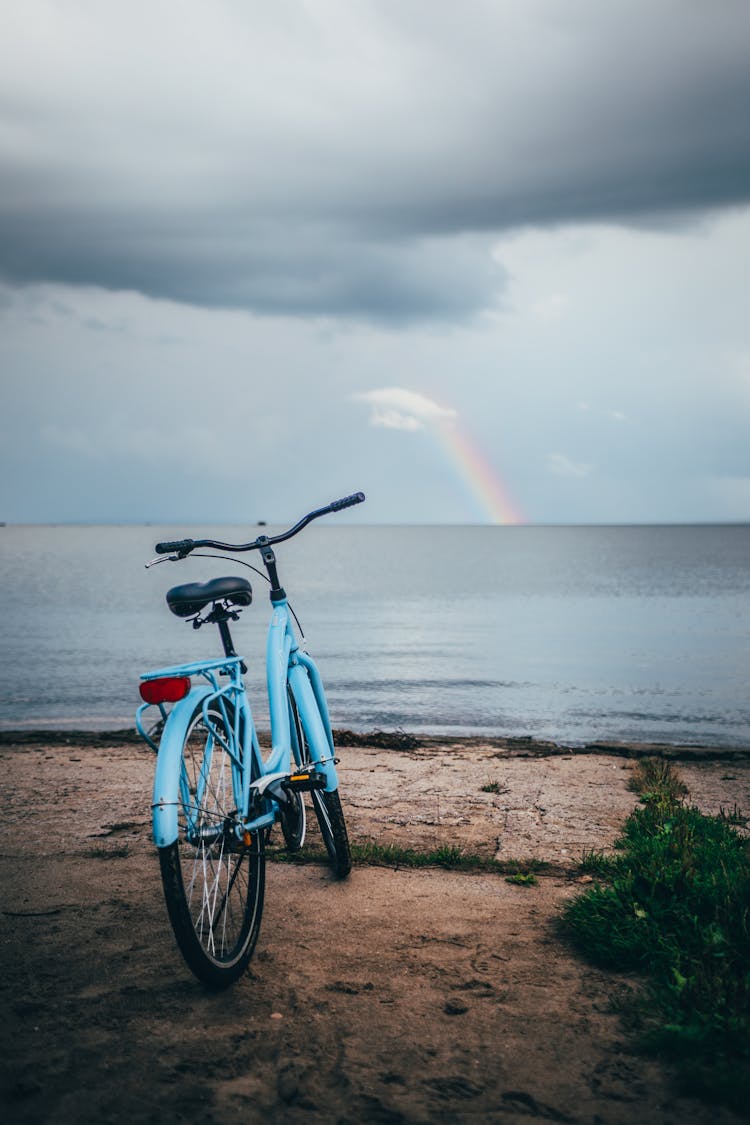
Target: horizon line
193	522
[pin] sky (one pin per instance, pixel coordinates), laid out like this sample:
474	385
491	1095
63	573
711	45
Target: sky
486	261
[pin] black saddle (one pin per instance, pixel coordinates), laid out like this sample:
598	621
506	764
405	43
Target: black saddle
187	600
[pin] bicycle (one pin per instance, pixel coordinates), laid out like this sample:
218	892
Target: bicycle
215	797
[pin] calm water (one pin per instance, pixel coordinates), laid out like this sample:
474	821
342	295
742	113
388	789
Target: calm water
571	634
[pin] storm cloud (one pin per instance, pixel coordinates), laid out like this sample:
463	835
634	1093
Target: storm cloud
355	159
254	256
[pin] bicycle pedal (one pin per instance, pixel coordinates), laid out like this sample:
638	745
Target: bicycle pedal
304	780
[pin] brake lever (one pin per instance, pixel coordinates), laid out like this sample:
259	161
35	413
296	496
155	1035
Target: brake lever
161	559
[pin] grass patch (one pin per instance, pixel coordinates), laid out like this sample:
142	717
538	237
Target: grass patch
655	779
521	880
674	906
596	863
308	854
448	856
733	816
492	787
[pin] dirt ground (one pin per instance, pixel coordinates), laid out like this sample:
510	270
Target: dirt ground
396	996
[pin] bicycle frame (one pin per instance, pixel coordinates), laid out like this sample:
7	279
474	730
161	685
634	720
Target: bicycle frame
215	796
287	669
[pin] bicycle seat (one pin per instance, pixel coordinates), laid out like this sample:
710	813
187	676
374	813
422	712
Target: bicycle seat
184	601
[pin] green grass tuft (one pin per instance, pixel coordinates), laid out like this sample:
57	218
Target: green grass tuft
521	880
734	816
655	776
449	856
597	863
676	908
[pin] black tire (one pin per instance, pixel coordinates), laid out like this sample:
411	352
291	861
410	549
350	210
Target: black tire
327	806
333	830
213	883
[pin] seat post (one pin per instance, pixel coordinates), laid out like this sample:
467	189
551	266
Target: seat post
226	638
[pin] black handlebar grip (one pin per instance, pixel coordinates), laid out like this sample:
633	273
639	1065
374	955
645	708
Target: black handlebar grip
347	502
177	546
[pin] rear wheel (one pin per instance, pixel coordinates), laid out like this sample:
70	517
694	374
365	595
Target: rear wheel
327	806
213	878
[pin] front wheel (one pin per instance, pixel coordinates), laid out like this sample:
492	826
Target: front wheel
333	830
327	805
213	877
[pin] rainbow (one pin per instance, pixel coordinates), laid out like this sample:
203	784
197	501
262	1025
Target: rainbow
488	493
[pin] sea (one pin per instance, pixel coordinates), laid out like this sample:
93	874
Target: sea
572	634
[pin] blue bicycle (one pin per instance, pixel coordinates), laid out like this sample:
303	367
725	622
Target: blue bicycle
215	797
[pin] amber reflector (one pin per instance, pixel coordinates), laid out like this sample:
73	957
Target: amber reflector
168	689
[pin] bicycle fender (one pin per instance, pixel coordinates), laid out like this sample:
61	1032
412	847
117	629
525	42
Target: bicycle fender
167	777
313	725
320	695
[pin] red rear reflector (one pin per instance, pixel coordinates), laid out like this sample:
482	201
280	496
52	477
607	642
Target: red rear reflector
166	690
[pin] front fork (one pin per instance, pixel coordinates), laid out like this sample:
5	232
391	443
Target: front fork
288	665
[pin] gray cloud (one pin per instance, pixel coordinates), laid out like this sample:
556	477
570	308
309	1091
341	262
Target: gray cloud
355	160
293	268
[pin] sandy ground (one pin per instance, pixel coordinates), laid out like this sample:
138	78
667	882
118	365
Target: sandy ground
397	996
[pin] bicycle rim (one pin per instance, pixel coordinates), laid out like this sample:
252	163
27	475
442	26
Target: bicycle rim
213	881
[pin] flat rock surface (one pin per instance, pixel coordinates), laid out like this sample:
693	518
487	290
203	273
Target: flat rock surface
396	996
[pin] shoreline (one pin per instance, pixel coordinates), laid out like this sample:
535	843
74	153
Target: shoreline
513	747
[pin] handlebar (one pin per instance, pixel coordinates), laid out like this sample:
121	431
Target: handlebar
347	502
183	547
175	547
